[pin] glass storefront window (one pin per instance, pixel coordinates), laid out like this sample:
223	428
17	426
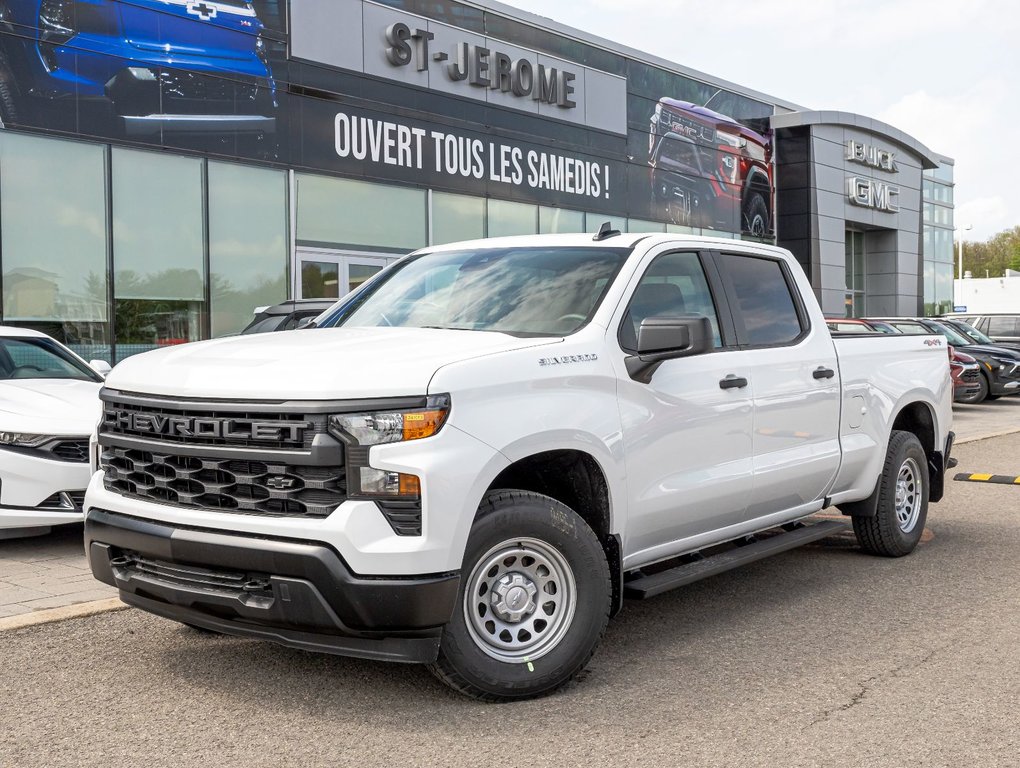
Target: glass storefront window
320	280
54	242
642	225
333	211
509	218
559	220
248	261
594	221
457	217
158	250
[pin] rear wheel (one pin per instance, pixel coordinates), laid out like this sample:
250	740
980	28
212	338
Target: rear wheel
902	502
533	604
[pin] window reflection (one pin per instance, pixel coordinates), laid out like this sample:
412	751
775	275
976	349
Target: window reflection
53	211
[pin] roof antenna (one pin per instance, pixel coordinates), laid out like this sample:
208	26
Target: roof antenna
605	231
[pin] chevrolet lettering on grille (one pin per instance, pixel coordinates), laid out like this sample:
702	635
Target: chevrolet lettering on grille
205	428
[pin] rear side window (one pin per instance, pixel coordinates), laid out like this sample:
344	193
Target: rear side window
1002	326
764	301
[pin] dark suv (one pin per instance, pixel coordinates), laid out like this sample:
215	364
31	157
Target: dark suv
1000	326
287	315
1000	367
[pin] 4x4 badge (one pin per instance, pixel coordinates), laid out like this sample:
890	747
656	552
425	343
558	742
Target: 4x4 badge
280	483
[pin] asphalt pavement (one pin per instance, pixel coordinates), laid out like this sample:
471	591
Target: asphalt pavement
820	656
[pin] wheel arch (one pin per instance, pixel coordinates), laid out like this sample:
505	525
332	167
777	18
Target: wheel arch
576	478
918	418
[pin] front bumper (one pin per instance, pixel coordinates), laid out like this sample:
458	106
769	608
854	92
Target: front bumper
297	593
34	490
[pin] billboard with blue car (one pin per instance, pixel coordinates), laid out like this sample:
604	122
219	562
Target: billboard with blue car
493	108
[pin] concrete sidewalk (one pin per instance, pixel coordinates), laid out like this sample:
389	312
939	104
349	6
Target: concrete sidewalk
49	571
46	572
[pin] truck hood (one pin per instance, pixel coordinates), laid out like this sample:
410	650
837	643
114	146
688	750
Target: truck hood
49	406
313	364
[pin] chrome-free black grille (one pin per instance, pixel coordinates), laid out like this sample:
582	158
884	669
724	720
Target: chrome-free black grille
122	419
225	485
970	375
72	450
195	93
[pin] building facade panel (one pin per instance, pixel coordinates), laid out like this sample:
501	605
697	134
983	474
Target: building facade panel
354	131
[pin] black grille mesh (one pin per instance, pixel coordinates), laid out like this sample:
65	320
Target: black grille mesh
225	485
72	450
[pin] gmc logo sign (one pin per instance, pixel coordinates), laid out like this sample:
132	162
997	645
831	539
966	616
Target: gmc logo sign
200	428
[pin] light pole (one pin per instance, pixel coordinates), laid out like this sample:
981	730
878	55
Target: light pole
958	299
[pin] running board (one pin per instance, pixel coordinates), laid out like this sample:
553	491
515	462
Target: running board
657	583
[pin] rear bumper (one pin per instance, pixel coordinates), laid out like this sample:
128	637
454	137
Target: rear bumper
296	593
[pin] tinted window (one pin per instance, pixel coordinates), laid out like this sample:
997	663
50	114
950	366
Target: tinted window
911	328
674	284
1002	326
764	301
40	359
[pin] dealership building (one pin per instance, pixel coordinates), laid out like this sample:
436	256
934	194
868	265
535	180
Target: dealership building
166	166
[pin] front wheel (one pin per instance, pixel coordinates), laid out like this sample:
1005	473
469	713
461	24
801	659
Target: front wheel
980	395
902	500
756	215
533	604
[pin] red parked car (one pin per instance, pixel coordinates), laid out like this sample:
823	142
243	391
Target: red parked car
966	373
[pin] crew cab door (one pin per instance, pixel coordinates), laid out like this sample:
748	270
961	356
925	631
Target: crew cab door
686	433
794	381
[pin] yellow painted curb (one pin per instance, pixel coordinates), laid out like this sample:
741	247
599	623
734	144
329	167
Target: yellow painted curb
61	614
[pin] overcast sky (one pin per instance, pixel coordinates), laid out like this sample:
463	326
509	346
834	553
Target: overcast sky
945	71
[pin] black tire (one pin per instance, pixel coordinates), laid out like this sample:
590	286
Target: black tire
980	396
756	215
491	664
898	524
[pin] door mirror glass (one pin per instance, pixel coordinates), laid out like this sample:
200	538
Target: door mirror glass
100	366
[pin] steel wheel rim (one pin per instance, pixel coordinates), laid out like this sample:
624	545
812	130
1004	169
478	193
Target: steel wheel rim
519	600
908	495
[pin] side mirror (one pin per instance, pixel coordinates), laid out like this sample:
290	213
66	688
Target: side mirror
101	367
304	322
668	337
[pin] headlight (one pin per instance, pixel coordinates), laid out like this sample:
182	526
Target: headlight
23	439
381	427
360	431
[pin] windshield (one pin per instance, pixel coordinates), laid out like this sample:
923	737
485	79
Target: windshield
550	291
969	330
954	338
40	359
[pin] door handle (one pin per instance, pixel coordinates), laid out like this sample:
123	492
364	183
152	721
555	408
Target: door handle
821	372
733	381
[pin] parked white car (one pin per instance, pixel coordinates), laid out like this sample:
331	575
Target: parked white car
49	405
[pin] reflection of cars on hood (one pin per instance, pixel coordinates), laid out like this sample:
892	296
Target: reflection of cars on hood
1000	367
286	315
49	405
734	166
151	67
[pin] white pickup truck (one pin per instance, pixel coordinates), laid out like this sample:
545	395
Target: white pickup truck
474	457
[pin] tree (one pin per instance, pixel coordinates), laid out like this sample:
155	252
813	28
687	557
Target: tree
999	253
